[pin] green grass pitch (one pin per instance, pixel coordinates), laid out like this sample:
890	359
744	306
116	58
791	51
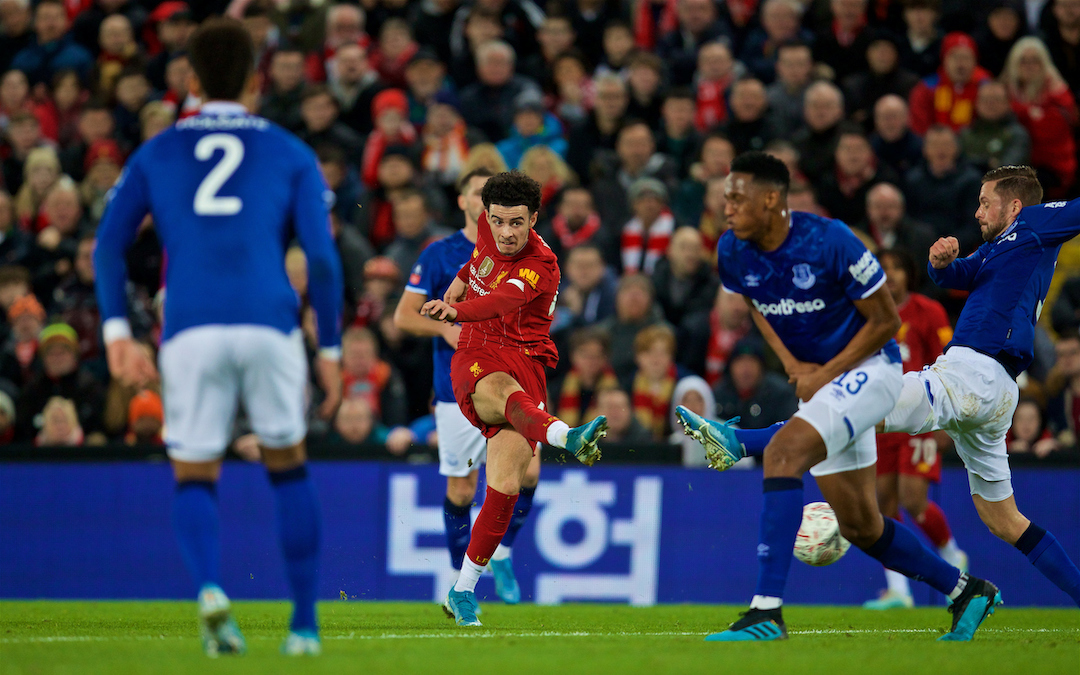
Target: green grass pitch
403	638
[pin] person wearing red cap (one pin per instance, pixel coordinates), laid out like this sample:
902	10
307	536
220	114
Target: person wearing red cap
27	317
166	35
390	112
948	97
146	419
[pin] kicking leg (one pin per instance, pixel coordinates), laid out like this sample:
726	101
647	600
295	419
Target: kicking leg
197	525
300	532
1041	547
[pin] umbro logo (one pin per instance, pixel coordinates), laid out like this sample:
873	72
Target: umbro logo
752	280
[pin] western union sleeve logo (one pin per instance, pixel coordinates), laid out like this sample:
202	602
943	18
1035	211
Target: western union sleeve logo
530	277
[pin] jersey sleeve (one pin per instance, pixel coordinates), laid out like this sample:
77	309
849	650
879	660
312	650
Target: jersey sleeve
311	218
960	273
1055	223
422	278
725	265
860	272
128	204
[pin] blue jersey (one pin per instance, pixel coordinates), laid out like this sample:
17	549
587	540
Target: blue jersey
431	276
227	191
1008	279
806	288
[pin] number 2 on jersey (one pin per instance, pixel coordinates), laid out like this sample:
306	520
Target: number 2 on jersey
207	201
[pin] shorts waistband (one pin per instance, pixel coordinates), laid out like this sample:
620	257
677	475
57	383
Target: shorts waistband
1004	360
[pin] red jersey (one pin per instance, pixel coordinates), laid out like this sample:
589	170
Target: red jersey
924	331
525	286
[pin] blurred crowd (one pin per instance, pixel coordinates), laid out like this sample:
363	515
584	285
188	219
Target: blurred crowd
887	112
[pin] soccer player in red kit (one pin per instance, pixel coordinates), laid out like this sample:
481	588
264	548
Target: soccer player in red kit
908	464
510	288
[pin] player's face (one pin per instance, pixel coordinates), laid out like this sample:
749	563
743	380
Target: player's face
993	213
746	212
470	202
510	226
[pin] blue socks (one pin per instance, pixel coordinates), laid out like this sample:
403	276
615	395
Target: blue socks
899	549
755	440
780	520
195	519
458	532
521	512
1047	555
299	526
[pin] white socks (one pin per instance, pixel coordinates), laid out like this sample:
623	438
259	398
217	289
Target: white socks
470	574
765	602
501	553
961	584
951	552
897	583
556	434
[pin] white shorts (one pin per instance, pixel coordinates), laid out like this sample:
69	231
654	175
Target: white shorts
462	448
206	370
845	411
972	398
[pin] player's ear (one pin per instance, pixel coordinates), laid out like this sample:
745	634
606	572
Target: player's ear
461	202
532	218
193	85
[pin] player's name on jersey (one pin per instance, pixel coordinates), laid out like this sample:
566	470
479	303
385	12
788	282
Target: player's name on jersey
223	122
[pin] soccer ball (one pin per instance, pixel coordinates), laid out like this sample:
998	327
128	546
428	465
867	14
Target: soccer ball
819	542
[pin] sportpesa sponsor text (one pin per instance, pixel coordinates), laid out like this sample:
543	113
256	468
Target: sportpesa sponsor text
787	307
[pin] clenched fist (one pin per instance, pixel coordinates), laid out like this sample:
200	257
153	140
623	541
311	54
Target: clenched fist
943	252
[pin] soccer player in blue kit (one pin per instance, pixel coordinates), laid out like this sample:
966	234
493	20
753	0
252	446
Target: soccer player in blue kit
820	300
228	191
462	448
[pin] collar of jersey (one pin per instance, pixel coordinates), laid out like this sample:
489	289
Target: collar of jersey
222	108
1010	228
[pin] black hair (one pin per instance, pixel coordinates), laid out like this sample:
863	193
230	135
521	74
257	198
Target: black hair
906	262
478	172
512	188
764	168
223	58
680	93
330	154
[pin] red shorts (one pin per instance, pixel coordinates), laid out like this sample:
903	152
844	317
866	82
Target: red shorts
909	456
469	366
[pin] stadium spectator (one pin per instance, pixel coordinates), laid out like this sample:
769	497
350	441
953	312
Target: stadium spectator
693	393
62	376
676	137
390	112
488	104
890	227
948	96
635	158
103	164
280	103
16	30
843	48
716	72
41	171
685	289
117	51
653	380
623	426
355	84
893	141
14	284
366	376
95	123
131	93
14	241
780	23
355	424
18	359
396	173
15	98
172	27
446	141
53	48
57	241
801	197
554	37
382	280
154	118
23	135
786	153
570	90
576	223
520	18
729	322
86	27
344	181
823	110
319	111
546	167
425	79
634	311
884	75
1065	314
645	75
646	235
481	26
1029	433
759	397
76	305
59	424
1063	40
354	250
794	67
345	25
920	50
713	220
146	419
391	53
699	23
1047	109
590	373
594	21
532	126
588	291
995	138
941	189
414	229
843	192
1005	23
1063	385
69	97
749	126
600	129
7	418
714	163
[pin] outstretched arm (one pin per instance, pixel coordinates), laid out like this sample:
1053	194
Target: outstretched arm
408	317
502	301
949	272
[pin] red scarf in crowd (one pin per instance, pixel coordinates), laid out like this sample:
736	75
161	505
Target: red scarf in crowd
652	401
711	106
571	238
721	341
647	29
377	143
569	409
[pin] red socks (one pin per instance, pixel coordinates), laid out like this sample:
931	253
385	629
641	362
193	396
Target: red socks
933	524
490	525
529	421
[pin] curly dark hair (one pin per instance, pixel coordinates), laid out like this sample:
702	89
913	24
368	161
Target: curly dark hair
764	168
512	188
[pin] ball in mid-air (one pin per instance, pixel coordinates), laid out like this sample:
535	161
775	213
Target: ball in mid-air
819	541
